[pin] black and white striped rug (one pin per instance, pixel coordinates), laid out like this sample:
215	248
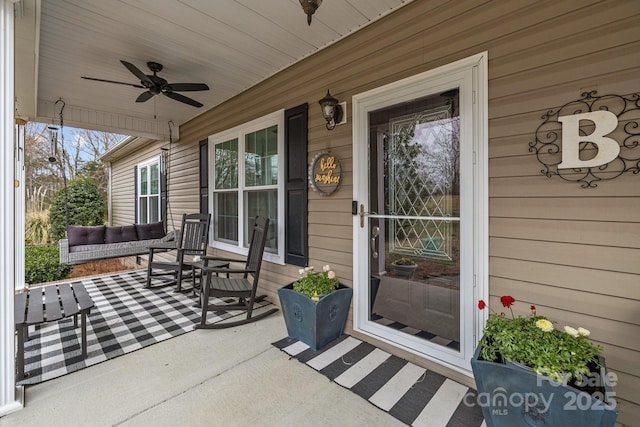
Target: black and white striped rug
126	317
412	394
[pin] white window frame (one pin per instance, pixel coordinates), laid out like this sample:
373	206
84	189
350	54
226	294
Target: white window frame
239	132
147	165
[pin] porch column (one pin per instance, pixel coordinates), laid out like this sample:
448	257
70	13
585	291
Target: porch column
8	401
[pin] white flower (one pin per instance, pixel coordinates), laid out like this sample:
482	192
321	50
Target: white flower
326	268
584	332
301	271
571	331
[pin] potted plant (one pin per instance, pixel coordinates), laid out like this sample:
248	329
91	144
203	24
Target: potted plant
404	267
528	372
315	306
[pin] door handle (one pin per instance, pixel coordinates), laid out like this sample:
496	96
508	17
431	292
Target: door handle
375	232
362	214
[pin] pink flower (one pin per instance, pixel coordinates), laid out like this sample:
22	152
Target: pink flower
331	274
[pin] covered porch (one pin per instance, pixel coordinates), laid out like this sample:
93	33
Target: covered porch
487	73
243	376
232	377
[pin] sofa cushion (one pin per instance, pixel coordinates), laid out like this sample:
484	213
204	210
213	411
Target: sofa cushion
117	234
155	230
85	235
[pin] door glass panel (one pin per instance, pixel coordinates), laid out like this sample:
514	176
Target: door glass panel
415	192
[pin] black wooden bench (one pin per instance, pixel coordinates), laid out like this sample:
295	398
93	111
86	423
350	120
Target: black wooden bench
49	304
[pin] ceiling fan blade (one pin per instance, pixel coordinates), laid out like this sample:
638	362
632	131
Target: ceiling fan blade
136	72
144	96
183	98
184	87
113	81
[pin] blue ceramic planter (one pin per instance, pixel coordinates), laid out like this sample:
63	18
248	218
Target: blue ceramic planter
315	323
512	395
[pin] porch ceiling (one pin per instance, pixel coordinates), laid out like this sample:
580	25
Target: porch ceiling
230	45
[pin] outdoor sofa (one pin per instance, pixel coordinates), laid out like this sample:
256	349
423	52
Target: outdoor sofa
89	243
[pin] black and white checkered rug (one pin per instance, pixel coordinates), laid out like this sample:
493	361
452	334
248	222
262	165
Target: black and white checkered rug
126	317
412	394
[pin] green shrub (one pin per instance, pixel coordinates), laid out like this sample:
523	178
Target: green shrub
42	264
37	229
85	203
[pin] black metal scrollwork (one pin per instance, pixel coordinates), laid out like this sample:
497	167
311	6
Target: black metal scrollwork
547	144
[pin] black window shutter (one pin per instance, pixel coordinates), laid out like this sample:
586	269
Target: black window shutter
204	176
163	189
135	194
296	188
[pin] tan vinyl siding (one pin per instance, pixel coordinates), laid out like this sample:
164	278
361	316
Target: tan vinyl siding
122	180
571	251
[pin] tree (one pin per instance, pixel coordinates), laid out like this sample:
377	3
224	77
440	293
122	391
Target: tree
83	202
42	178
77	154
87	147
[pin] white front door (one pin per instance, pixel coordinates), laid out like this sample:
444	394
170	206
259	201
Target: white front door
420	233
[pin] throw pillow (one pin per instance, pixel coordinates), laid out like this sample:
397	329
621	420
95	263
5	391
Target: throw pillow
85	235
117	234
154	230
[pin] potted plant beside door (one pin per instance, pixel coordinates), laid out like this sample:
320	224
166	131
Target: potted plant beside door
529	373
315	307
404	267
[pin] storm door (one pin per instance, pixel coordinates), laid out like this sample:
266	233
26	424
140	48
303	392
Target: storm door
415	228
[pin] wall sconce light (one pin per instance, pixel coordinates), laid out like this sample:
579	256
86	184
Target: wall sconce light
331	110
310	7
53	143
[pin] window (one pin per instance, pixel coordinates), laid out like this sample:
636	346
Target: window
148	192
247	182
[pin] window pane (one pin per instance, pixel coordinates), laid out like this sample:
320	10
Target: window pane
142	207
261	157
263	203
272	155
226	164
226	217
154	178
144	180
154	212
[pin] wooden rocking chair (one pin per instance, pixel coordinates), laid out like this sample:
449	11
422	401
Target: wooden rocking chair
191	241
241	288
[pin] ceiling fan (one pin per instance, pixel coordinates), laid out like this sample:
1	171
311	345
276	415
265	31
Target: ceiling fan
156	84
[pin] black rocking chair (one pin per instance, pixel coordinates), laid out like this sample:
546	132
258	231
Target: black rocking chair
192	240
241	288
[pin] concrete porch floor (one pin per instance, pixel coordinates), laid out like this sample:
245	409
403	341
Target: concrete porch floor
232	377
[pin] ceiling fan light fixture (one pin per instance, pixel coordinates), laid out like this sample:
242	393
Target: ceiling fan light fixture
310	7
